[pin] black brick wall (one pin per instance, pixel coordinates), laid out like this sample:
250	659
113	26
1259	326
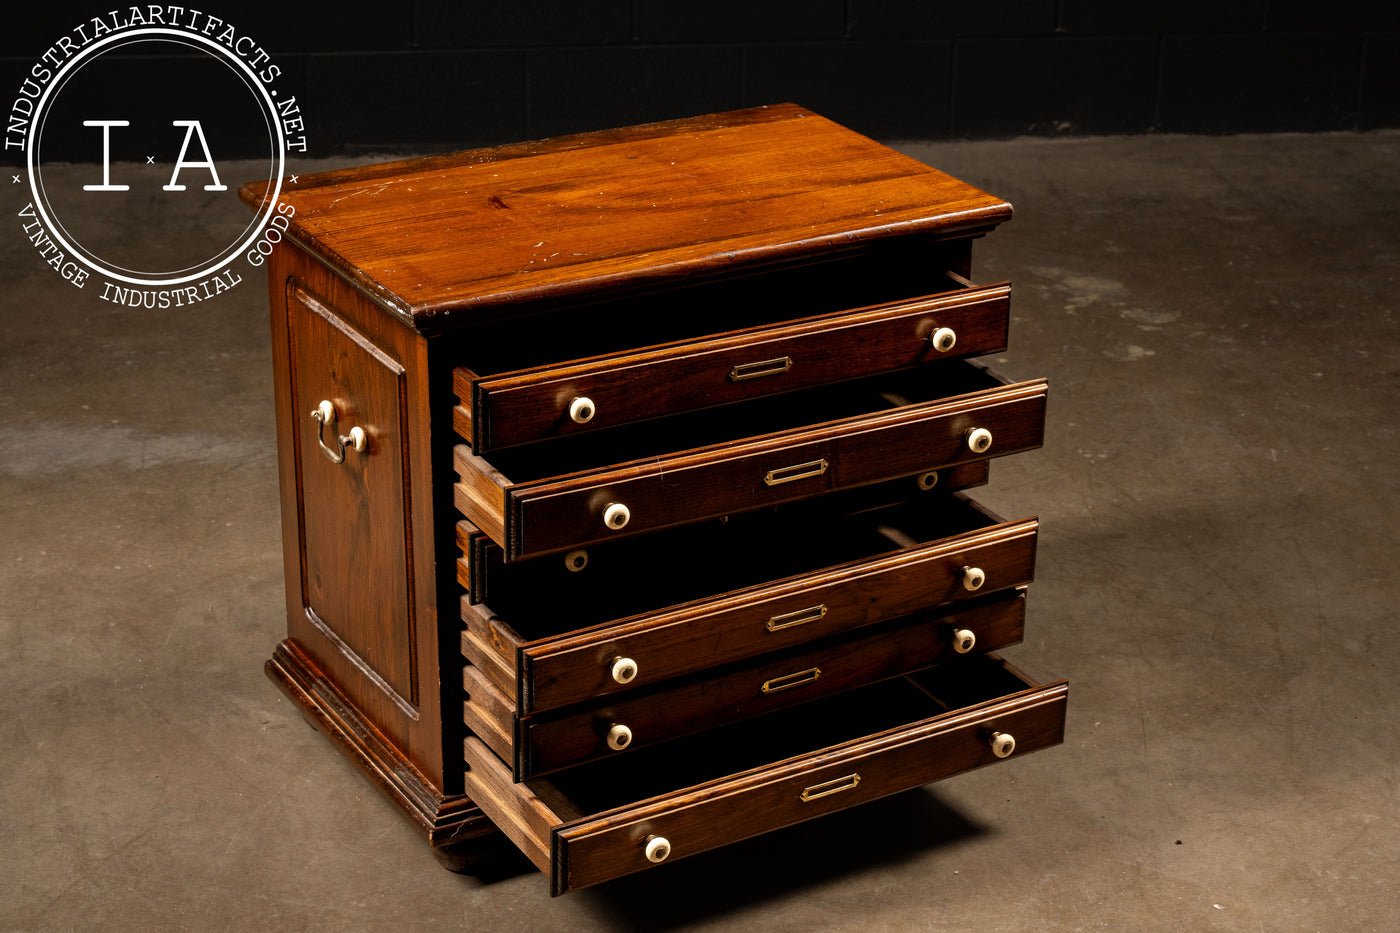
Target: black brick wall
442	74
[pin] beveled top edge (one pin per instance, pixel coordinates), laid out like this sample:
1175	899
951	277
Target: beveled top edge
767	184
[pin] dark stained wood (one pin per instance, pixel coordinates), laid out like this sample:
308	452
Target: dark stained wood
642	267
487	712
740	806
513	808
549	743
555	514
487	658
594	824
573	666
480	495
442	818
374	622
360	606
735	626
468	238
730	550
527	405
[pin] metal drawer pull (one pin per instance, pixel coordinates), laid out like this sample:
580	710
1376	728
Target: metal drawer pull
800	617
798	471
817	791
1003	744
788	681
357	440
760	369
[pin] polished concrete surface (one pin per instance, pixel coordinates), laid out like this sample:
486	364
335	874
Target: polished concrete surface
1217	577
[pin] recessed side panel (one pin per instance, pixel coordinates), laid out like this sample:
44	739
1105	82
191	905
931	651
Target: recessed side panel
349	398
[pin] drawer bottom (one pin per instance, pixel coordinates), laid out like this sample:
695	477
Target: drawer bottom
608	819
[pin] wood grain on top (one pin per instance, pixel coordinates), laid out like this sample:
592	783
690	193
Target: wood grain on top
468	237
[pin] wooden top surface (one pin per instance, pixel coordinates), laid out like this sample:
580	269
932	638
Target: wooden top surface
471	236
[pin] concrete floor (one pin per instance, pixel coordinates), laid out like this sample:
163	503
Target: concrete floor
1220	498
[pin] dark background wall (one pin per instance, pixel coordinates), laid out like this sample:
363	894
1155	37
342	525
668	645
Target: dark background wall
439	74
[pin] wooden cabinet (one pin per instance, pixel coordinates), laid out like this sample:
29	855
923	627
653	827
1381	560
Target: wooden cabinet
625	482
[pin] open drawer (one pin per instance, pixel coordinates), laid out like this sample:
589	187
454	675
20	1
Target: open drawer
548	498
534	403
602	821
626	723
635	617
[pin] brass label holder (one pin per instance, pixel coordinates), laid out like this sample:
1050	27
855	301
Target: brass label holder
788	681
795	472
761	368
818	791
800	617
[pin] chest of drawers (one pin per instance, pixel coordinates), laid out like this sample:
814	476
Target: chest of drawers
624	478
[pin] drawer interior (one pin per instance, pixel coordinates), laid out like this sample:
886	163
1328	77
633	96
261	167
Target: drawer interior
542	598
557	457
687	705
892	704
853	279
591	823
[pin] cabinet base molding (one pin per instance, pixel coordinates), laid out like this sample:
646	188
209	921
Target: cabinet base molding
444	819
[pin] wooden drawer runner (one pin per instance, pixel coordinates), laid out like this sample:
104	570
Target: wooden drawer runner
598	822
632	721
540	501
841	574
498	411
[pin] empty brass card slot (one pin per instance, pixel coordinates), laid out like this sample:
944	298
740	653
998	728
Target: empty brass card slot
817	791
761	368
788	681
797	471
800	617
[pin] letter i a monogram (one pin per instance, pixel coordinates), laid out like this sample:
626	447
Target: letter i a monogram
192	127
107	155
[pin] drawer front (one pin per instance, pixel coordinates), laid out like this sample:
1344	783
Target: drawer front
731	627
482	569
584	395
597	505
548	745
602	846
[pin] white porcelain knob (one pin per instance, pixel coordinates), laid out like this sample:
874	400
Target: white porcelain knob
616	515
619	737
582	409
1003	744
973	578
657	848
963	640
576	560
357	440
943	339
624	670
928	480
979	440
